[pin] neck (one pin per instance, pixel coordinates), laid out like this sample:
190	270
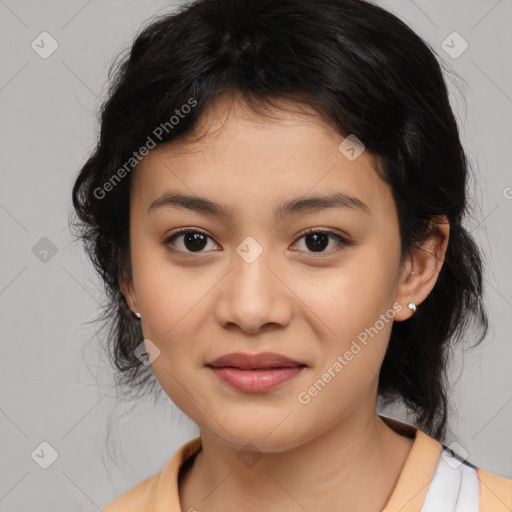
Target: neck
333	470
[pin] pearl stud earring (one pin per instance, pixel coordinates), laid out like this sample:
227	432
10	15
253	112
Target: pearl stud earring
137	314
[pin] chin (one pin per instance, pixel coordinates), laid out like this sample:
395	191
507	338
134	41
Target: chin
249	442
263	436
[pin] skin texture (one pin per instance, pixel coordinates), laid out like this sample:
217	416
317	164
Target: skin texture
310	306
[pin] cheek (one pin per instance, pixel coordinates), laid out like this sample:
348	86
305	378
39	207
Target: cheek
351	310
351	297
350	363
165	291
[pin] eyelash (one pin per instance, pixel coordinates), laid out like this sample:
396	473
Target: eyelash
343	241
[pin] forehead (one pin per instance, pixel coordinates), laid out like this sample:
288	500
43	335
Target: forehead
238	158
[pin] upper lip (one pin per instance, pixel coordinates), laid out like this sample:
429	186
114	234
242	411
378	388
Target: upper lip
249	361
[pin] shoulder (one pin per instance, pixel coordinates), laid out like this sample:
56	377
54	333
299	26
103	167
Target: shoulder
466	487
495	492
159	492
139	498
436	479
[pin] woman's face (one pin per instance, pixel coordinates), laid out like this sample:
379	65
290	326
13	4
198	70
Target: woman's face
255	283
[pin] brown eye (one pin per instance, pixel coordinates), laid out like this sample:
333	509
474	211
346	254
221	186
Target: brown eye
189	240
317	240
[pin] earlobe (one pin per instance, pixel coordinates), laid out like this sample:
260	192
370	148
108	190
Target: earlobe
128	292
427	262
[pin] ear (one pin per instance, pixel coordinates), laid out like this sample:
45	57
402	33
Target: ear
420	272
128	291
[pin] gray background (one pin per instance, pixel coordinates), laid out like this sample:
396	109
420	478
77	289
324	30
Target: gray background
55	384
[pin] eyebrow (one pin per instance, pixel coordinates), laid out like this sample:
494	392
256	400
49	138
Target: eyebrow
291	207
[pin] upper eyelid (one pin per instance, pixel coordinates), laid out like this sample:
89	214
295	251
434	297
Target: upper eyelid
329	231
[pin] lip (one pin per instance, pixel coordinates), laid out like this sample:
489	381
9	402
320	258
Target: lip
245	361
254	373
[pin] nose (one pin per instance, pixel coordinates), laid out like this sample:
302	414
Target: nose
253	297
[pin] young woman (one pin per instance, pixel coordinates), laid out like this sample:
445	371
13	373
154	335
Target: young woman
275	205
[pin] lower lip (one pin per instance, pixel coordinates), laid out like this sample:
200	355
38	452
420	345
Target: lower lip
254	381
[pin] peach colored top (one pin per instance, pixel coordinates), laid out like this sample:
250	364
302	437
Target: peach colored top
432	480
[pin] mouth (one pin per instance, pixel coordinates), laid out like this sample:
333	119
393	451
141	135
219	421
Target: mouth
253	373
